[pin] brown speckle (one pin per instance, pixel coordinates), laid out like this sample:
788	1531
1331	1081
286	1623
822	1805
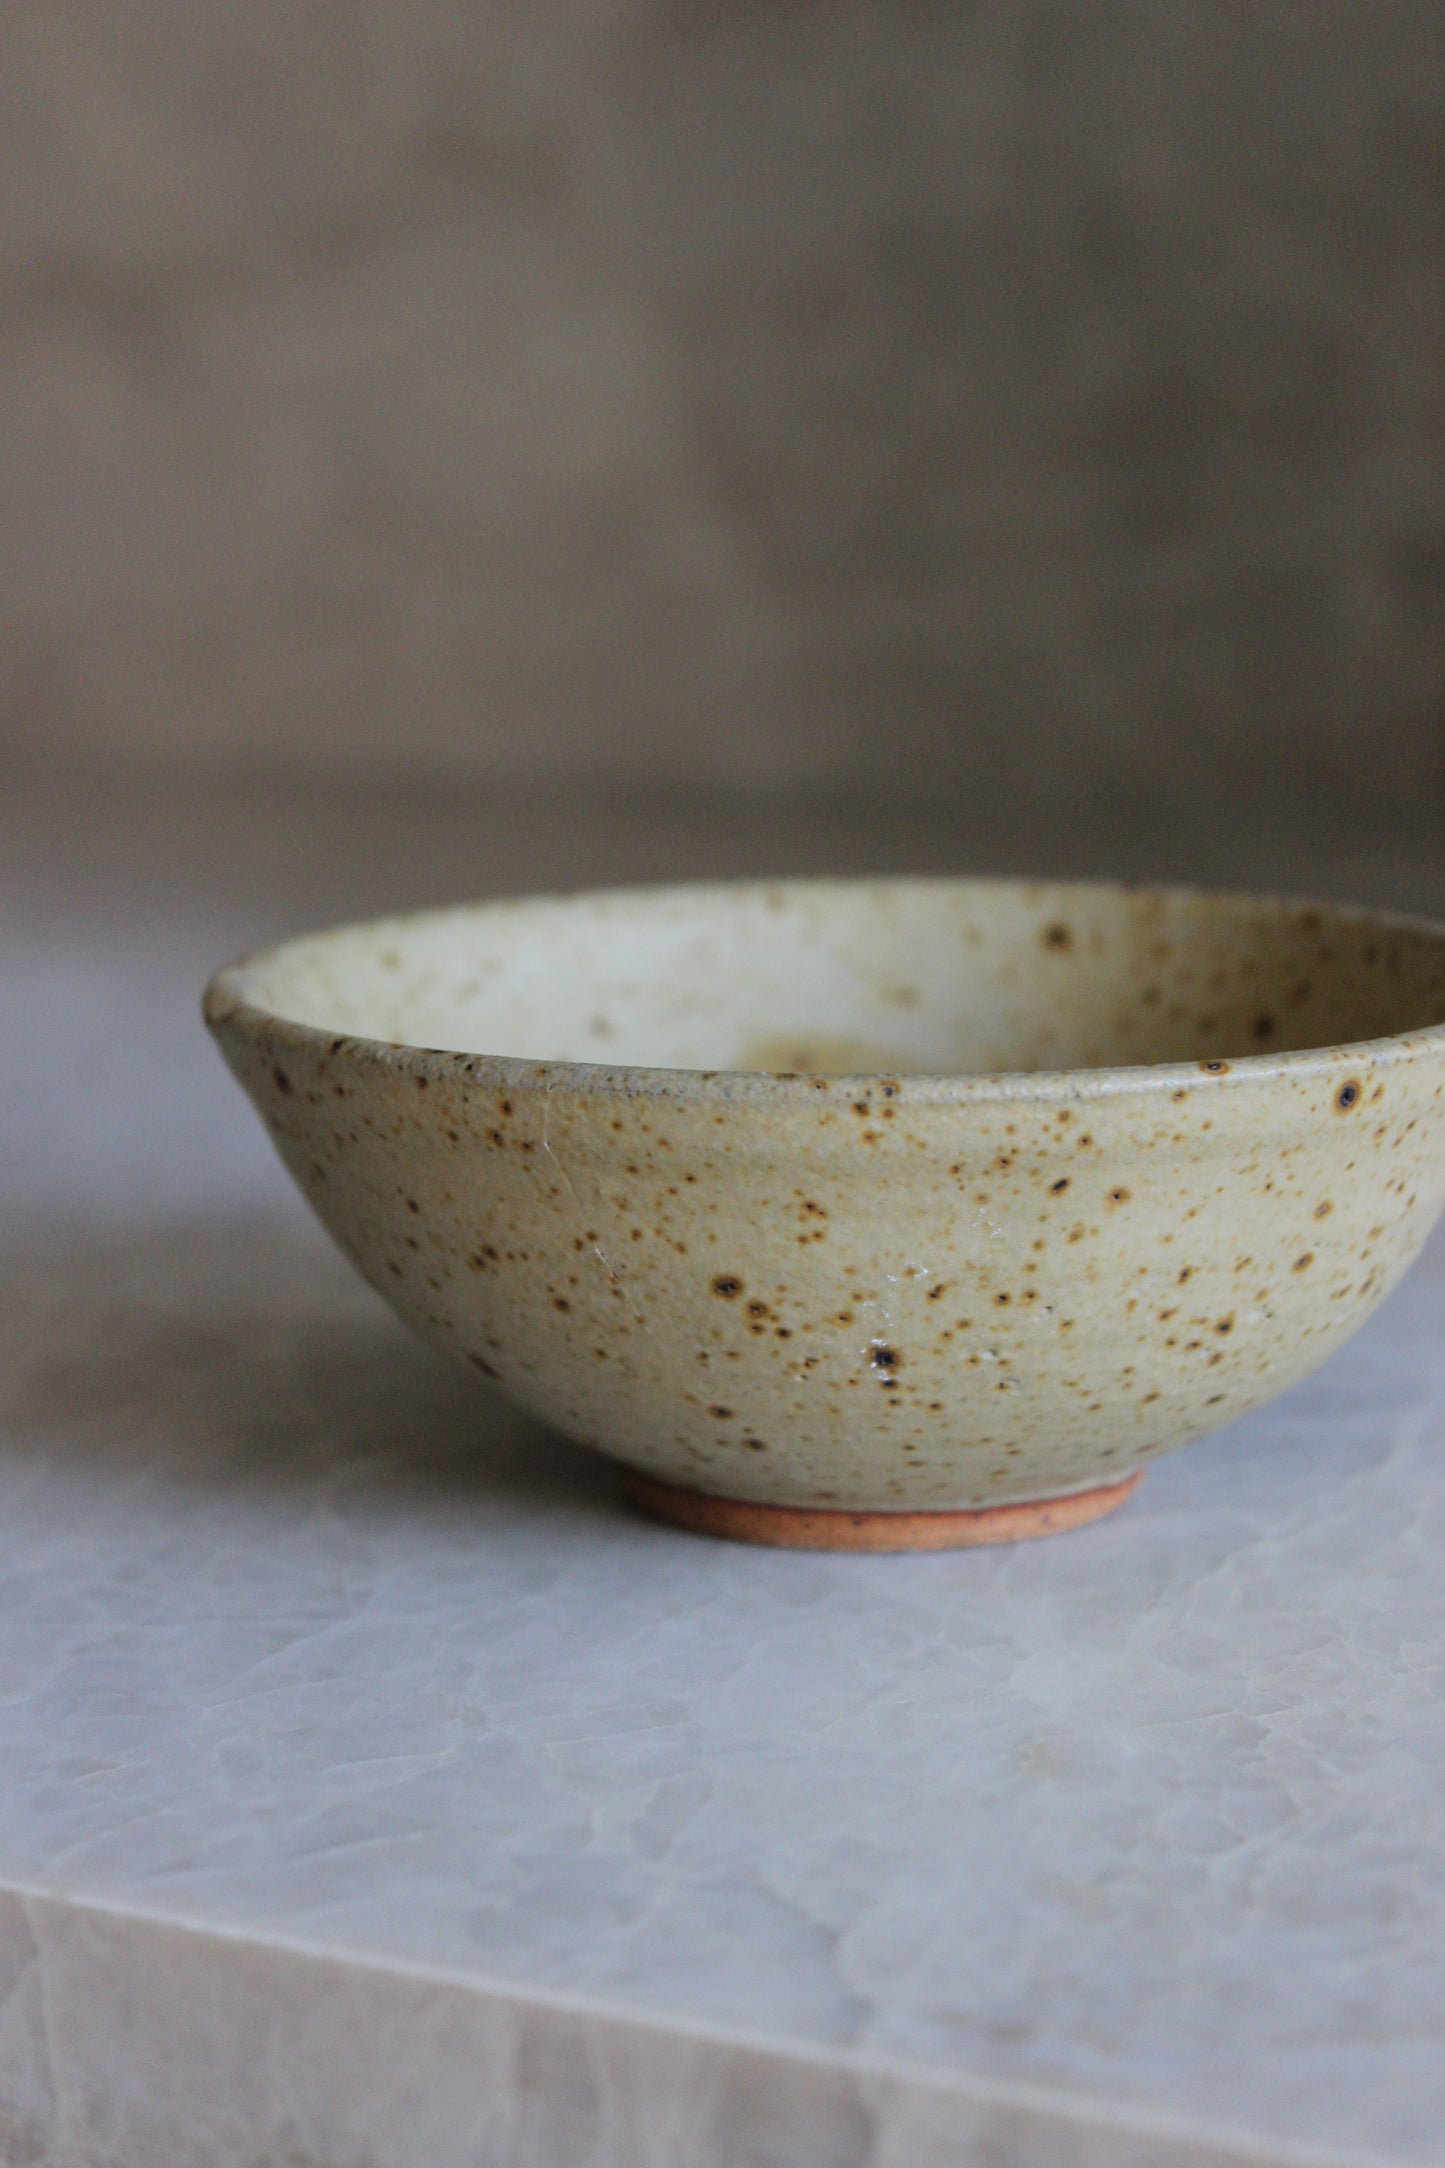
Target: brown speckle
727	1285
1057	936
1347	1095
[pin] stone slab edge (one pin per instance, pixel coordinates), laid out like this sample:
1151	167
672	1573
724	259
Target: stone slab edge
133	2040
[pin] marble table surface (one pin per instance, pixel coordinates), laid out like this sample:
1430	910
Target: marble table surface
376	1789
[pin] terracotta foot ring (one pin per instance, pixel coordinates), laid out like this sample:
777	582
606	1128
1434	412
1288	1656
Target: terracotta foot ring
808	1528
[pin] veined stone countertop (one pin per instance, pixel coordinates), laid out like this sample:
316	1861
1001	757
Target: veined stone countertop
376	1791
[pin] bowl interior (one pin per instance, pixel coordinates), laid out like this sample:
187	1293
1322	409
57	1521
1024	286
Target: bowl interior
935	977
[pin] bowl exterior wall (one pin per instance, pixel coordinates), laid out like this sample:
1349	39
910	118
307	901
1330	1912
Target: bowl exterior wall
853	1294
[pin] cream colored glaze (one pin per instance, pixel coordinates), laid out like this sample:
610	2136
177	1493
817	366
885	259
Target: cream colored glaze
1143	1159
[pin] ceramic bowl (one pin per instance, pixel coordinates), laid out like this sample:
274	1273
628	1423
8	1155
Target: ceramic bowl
868	1214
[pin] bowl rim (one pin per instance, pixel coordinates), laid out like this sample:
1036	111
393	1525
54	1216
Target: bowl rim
226	1006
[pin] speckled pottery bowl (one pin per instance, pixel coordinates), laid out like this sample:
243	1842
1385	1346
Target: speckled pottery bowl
871	1214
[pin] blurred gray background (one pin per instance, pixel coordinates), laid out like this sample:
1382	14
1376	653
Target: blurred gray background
1029	410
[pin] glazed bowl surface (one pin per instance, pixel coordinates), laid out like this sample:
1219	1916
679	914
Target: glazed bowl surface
905	1198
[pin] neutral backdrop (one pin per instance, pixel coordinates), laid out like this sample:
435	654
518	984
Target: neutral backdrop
999	402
